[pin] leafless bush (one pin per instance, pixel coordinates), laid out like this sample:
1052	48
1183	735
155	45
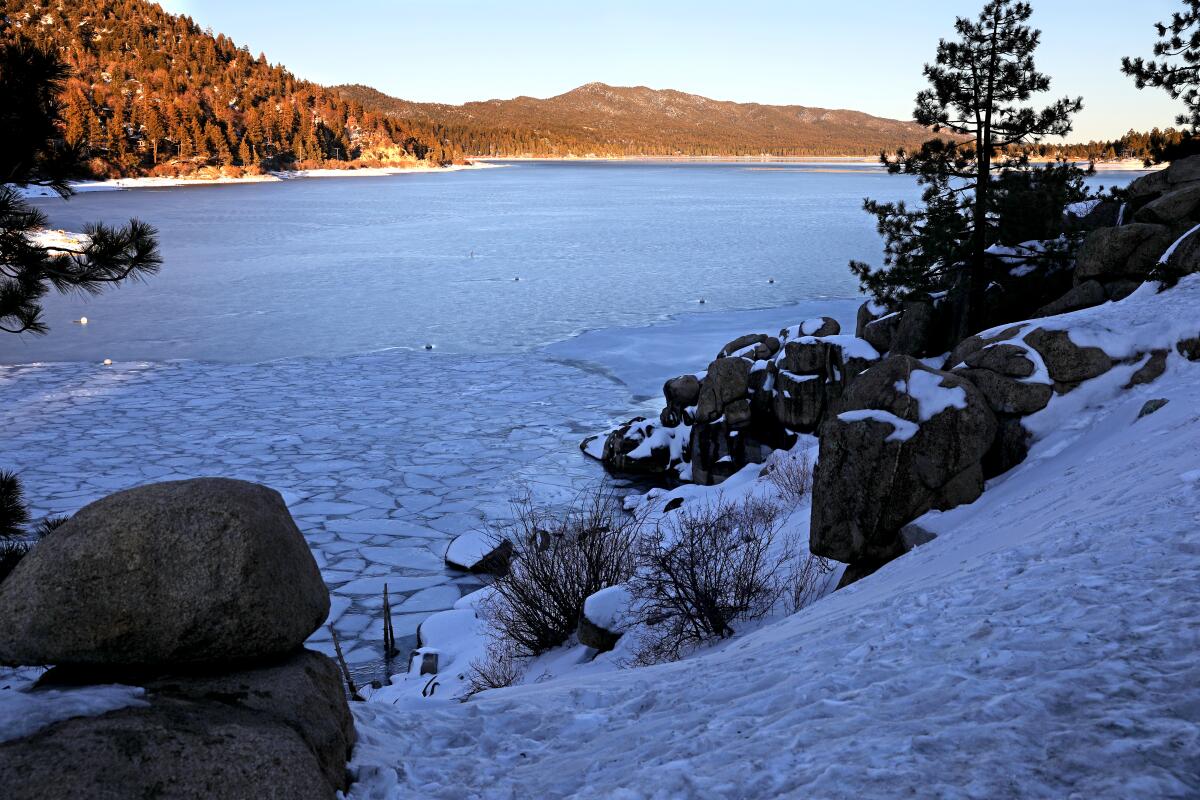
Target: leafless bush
791	474
559	558
501	667
809	580
704	569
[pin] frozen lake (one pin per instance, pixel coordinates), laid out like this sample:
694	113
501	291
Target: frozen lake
340	266
283	342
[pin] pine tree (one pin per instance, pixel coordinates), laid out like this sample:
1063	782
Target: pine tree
30	82
979	83
37	154
1176	64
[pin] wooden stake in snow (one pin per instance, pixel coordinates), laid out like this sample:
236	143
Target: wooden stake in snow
337	648
389	633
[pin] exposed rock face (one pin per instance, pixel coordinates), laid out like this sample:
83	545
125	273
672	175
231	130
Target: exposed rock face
1176	206
1128	251
175	749
906	439
728	379
201	571
1087	294
1066	361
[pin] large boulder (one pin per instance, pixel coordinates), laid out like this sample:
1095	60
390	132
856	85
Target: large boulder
174	750
192	572
728	379
1128	251
1177	206
800	401
1084	295
907	439
1066	361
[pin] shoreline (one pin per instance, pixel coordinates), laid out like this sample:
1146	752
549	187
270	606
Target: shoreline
149	182
1124	165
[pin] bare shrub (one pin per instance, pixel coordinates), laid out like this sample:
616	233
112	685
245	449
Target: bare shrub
791	475
559	559
705	568
809	580
501	667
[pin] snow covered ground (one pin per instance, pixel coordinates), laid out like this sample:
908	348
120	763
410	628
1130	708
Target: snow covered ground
117	184
1042	646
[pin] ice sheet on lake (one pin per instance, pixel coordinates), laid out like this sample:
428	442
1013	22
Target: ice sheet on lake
381	458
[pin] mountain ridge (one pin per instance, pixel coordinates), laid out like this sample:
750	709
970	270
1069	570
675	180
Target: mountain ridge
600	119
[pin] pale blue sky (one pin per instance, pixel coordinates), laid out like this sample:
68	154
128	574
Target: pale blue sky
860	54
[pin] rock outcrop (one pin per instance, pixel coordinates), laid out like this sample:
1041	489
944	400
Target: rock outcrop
906	439
202	592
754	397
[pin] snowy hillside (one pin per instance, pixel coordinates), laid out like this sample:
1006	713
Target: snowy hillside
1043	645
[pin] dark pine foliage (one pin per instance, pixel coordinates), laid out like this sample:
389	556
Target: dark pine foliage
979	85
37	154
30	82
1175	67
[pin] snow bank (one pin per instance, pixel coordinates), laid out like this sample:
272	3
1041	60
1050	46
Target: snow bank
1145	320
117	184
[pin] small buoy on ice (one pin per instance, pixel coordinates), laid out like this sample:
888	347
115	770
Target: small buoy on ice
82	321
108	362
428	347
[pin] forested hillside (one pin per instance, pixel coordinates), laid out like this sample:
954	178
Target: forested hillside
597	119
154	93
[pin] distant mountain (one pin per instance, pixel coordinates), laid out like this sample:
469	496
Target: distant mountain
597	119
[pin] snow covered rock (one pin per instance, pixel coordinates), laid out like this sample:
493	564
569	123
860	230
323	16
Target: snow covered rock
606	616
754	346
201	571
817	326
479	552
643	447
907	439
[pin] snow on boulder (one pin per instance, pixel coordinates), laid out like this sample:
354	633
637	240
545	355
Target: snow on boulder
606	616
907	439
479	552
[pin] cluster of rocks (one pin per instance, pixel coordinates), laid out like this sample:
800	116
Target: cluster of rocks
202	592
924	425
757	394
